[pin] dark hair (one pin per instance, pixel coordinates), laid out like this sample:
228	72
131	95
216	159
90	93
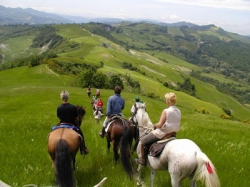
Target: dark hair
117	90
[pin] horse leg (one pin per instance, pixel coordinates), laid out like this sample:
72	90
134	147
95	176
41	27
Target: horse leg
53	164
152	177
108	144
73	162
192	181
138	183
175	179
115	150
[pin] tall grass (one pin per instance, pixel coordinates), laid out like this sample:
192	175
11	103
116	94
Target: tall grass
28	111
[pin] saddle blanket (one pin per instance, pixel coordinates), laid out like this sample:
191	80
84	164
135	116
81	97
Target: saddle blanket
107	128
111	120
156	148
65	126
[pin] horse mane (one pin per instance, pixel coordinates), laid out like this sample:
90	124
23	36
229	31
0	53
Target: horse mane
81	110
143	117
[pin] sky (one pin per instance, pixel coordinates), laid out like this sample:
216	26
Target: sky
230	15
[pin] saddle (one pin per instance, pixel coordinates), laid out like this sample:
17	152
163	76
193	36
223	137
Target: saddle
69	126
111	119
156	148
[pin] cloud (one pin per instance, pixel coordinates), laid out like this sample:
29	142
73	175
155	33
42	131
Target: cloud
225	4
174	17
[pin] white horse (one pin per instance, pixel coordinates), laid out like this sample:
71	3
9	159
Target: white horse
97	114
181	157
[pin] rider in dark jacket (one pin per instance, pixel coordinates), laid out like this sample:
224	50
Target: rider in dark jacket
67	113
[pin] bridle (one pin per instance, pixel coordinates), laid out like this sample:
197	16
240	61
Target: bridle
132	116
81	113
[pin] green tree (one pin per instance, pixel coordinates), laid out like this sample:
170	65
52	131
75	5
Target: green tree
86	77
187	87
99	80
115	81
34	61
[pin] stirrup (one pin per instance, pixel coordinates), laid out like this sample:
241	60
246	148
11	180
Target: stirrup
85	151
141	161
100	134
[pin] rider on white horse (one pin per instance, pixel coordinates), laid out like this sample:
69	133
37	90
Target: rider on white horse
168	125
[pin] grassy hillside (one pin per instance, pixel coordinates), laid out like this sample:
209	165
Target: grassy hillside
29	97
171	70
209	47
81	46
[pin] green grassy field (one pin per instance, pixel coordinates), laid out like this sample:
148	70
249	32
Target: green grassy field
30	96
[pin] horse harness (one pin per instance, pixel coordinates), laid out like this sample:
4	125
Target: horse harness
114	117
133	114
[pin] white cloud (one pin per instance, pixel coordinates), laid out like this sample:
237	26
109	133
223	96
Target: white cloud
226	4
174	17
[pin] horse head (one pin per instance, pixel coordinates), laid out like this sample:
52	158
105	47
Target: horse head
140	117
81	112
134	110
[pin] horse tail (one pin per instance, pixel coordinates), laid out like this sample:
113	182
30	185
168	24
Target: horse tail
63	165
125	146
205	171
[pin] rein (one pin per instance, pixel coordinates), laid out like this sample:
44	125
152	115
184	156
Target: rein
148	130
133	115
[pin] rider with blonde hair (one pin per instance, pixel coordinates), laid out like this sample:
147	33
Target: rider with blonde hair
168	126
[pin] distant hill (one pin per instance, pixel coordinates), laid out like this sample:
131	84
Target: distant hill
9	16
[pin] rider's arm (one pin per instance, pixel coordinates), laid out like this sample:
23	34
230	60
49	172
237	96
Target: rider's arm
162	120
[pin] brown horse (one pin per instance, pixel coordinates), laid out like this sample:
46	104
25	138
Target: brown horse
63	144
121	134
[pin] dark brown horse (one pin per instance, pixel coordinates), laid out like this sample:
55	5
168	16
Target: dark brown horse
89	91
121	134
63	144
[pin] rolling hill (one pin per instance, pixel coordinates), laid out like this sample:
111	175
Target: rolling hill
79	45
28	16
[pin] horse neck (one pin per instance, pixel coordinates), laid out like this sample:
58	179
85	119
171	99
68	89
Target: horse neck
145	124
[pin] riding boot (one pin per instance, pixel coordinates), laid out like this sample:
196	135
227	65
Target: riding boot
143	159
102	133
83	148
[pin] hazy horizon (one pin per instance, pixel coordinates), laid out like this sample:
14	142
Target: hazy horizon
230	15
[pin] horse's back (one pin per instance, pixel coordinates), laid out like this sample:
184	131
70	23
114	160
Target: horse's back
117	128
69	135
180	154
182	145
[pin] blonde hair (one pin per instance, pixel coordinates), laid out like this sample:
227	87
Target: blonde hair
64	95
171	97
